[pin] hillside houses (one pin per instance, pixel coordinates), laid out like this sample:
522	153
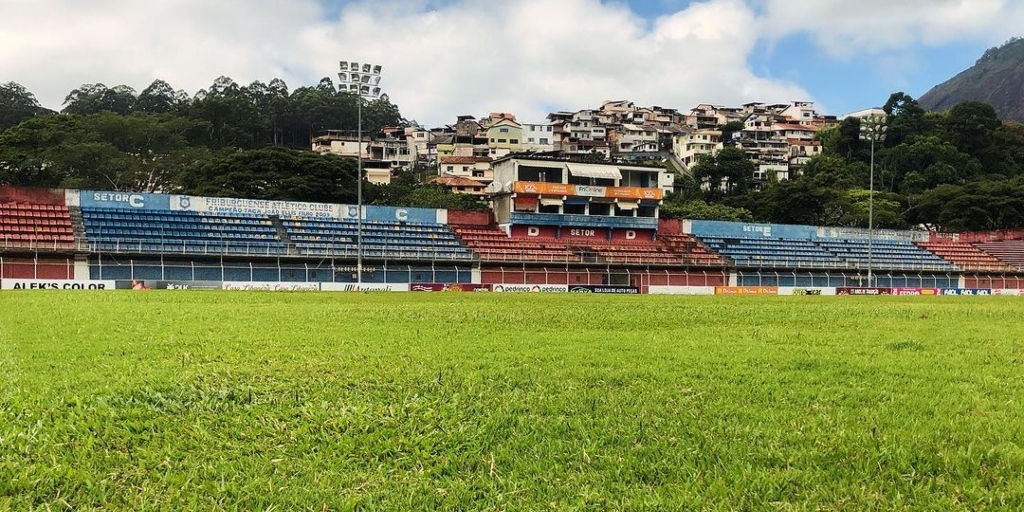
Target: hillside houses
777	138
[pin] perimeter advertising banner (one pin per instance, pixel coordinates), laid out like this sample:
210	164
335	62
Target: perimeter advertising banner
55	284
968	291
140	284
365	287
271	287
863	291
449	287
620	290
530	288
746	290
914	292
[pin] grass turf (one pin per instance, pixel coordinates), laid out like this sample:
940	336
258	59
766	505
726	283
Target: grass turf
207	400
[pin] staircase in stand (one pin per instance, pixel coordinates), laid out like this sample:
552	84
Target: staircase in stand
78	227
282	233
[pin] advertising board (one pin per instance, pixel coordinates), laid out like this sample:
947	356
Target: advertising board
449	287
681	290
365	287
746	290
530	288
806	290
863	291
169	285
55	284
270	287
968	291
914	292
620	290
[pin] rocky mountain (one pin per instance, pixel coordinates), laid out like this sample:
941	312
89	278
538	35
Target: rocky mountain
997	79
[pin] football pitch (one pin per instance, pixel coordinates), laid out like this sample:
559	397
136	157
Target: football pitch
462	401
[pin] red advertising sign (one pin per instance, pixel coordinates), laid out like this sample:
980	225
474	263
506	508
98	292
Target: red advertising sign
863	291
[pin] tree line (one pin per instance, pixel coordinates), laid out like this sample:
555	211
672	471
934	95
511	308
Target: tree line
958	170
225	140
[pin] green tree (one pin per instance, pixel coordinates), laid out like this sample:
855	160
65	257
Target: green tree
728	172
16	105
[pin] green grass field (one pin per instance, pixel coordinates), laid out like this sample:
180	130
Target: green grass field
262	401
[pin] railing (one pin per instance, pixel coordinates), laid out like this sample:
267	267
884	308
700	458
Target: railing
591	221
7	244
839	265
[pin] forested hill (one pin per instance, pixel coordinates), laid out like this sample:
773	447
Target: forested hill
997	78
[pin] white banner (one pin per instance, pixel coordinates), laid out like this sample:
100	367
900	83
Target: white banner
681	290
258	207
806	290
530	288
1008	292
55	284
270	287
365	287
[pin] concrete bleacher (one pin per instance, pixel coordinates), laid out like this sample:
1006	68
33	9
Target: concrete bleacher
383	240
493	244
1009	252
35	226
773	253
179	232
966	256
884	254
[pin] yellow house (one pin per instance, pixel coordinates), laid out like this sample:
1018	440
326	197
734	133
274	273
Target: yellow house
506	135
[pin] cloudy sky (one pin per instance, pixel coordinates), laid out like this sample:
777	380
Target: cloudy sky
444	58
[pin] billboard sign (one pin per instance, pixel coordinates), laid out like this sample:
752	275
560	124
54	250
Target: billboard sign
55	284
260	207
449	287
863	291
530	288
365	287
746	290
968	291
620	290
270	287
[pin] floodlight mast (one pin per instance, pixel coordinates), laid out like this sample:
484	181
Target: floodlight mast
364	82
872	129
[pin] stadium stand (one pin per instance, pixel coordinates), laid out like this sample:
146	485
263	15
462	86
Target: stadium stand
124	230
965	256
383	240
36	226
1010	252
885	255
493	244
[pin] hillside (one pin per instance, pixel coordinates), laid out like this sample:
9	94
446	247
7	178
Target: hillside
997	78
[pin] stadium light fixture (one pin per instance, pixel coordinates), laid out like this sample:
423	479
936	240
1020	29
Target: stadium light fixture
362	80
872	129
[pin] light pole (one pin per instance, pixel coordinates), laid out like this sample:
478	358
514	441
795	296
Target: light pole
362	80
872	129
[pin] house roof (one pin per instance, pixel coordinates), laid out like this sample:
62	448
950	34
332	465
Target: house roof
456	181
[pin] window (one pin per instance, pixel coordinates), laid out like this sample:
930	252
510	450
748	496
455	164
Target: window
549	128
478	174
543	140
529	139
513	141
451	168
492	140
465	168
503	130
502	141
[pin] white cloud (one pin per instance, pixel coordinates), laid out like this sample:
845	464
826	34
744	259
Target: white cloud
846	28
440	59
444	58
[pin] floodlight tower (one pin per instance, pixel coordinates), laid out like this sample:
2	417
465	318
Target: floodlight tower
362	80
872	129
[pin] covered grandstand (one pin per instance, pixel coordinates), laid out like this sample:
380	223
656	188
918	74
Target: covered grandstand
99	235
